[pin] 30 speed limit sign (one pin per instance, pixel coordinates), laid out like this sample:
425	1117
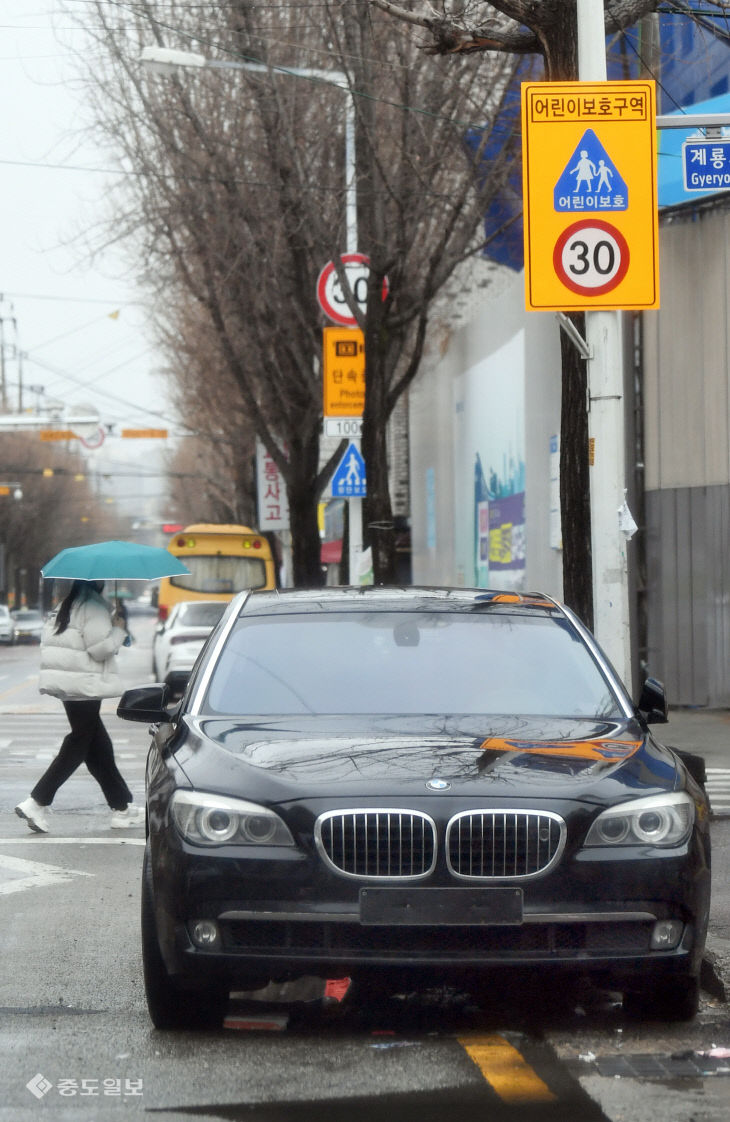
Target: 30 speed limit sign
591	257
590	195
332	299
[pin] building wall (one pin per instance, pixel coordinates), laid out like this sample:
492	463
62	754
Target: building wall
686	358
492	387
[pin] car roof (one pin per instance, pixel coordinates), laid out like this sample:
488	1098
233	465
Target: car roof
191	607
380	598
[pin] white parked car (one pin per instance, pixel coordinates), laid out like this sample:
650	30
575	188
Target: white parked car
27	625
178	641
6	625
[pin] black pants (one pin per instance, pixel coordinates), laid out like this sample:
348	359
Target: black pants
87	743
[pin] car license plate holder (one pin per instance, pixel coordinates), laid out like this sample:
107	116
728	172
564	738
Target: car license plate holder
444	907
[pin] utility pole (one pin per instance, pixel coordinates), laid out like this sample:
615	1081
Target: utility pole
3	387
606	420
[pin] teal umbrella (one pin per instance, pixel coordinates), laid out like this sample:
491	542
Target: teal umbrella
113	561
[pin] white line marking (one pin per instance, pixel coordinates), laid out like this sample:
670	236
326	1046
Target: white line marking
37	875
37	839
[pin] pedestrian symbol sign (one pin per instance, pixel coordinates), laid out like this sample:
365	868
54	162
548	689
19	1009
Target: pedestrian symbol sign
349	479
590	180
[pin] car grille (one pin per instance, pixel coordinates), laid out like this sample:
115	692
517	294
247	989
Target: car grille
354	942
503	845
373	844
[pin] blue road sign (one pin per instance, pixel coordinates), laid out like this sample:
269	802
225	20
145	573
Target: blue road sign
706	164
349	479
590	182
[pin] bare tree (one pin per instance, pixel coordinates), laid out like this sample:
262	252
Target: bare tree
236	203
211	473
544	27
55	511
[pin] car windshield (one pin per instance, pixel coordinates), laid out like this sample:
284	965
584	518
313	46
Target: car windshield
201	615
407	663
27	617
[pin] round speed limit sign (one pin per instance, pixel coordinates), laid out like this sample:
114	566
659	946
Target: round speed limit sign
591	257
332	299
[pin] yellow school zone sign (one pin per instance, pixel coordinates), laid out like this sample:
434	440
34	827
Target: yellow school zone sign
589	169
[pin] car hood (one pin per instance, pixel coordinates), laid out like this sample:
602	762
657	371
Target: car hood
499	757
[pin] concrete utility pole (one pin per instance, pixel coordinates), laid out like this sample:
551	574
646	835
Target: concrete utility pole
606	420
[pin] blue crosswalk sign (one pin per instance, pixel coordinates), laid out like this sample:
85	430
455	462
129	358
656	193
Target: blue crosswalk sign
590	182
349	479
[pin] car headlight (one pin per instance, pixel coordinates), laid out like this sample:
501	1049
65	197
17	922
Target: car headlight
661	820
205	819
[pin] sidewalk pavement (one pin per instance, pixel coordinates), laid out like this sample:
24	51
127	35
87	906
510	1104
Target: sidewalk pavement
694	729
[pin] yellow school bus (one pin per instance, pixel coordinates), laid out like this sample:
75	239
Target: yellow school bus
222	559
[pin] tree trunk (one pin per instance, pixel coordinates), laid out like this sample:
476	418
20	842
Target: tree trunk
560	45
575	505
378	529
306	563
558	35
307	569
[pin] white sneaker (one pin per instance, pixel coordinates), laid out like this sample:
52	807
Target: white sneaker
34	814
132	816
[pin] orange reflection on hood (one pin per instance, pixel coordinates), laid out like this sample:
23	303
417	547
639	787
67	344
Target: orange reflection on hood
568	749
514	598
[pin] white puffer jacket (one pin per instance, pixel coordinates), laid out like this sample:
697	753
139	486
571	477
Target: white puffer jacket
80	663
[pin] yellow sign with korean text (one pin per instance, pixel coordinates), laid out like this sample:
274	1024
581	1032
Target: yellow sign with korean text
145	434
57	434
589	170
343	371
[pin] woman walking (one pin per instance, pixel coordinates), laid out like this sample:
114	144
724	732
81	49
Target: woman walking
78	665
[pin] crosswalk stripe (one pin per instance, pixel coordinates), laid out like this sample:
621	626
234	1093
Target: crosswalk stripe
718	789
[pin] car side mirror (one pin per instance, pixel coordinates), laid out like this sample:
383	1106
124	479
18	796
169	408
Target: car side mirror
145	703
652	703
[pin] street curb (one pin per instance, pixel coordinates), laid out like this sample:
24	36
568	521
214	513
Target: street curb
715	969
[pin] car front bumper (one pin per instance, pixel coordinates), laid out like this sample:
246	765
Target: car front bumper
284	914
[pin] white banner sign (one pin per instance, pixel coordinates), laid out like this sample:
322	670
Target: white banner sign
273	504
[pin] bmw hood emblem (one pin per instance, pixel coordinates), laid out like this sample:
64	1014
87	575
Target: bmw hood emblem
438	785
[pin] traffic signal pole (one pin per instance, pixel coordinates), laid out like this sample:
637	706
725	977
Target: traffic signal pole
610	520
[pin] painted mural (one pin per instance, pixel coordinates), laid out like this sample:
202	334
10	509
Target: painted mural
490	465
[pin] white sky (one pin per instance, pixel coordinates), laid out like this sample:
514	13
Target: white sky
56	305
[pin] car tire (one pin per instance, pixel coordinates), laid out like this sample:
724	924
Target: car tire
673	999
170	1005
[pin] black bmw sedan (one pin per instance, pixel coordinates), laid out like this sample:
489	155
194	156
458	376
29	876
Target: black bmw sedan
415	782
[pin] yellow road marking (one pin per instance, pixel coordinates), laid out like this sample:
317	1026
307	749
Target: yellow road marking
505	1069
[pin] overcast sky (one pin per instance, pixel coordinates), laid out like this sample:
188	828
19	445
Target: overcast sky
81	326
